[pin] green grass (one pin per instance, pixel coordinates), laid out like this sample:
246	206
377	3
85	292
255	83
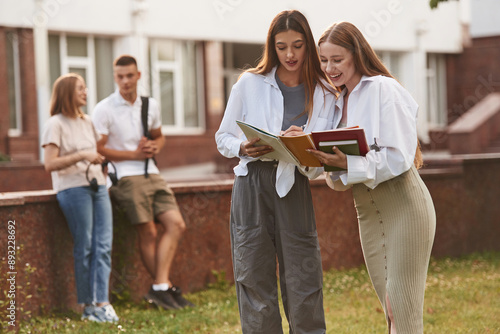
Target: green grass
462	296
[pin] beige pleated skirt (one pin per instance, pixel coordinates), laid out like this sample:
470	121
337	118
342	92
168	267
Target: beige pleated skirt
397	224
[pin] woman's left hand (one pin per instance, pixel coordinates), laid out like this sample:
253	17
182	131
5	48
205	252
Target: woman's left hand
337	158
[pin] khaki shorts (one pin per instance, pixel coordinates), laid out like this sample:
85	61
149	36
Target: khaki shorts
143	198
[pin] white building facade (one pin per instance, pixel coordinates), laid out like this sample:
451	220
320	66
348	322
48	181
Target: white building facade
191	52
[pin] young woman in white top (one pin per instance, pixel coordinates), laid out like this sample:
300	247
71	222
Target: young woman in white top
271	209
395	211
70	153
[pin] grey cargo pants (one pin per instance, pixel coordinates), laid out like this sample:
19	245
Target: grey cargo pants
264	226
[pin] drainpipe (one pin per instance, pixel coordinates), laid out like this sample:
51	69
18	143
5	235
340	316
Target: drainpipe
42	74
140	44
420	63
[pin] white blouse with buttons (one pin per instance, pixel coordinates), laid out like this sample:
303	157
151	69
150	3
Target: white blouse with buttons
388	114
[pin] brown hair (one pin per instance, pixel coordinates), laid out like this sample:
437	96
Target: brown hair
63	100
313	75
365	59
125	60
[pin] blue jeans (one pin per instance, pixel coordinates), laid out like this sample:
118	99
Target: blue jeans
90	221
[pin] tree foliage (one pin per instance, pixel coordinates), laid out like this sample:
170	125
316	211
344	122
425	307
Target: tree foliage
434	3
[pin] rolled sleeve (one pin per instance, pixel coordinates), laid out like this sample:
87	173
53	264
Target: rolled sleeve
358	169
228	145
335	181
234	148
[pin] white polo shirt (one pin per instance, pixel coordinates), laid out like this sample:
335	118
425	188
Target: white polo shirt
121	122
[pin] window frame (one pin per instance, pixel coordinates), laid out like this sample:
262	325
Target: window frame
85	63
437	112
232	71
176	68
18	130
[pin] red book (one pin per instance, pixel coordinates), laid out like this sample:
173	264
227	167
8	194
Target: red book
342	134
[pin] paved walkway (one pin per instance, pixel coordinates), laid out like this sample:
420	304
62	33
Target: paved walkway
193	173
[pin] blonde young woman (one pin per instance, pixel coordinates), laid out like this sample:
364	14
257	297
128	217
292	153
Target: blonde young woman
271	208
70	153
396	214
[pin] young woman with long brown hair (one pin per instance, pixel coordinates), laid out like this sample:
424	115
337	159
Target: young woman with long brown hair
271	208
70	153
396	214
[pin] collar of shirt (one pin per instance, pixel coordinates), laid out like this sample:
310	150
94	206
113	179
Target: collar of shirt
361	82
271	79
120	101
339	103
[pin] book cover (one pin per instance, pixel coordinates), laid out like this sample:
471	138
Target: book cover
349	147
280	152
298	146
353	133
289	149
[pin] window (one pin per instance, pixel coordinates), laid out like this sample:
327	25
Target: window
177	84
14	84
238	57
436	90
392	60
89	56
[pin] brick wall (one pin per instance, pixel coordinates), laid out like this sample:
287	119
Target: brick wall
25	147
23	176
4	97
472	75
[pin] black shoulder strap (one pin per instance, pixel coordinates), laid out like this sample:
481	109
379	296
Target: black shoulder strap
144	119
144	115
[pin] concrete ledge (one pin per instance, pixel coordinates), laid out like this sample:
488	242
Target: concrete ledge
24	197
474	130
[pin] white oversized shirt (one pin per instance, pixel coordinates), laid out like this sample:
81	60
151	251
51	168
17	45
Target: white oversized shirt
257	99
121	122
388	113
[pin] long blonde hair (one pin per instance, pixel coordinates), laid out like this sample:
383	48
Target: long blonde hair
365	59
311	70
63	100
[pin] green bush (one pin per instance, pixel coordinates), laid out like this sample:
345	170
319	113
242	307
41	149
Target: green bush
4	157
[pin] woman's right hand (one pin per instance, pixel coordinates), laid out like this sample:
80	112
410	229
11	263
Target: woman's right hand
93	157
337	158
293	130
248	148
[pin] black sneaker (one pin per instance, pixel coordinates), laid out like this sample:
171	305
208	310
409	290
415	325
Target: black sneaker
162	299
181	301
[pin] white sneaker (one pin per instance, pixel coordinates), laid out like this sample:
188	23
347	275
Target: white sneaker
88	311
104	313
